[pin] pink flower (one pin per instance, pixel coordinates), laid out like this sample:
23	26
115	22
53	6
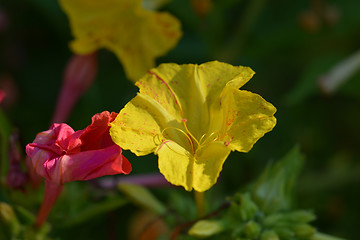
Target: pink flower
62	155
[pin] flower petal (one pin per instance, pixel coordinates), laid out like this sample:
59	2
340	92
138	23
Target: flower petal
181	168
189	91
176	164
139	125
247	117
97	24
87	165
208	165
214	76
173	87
48	145
96	135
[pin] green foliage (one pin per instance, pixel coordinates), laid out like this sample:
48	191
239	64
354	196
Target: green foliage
266	211
273	191
12	228
142	197
205	228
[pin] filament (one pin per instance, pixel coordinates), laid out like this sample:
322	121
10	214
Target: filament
187	135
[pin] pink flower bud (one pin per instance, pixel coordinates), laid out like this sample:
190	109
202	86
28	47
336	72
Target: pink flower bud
80	73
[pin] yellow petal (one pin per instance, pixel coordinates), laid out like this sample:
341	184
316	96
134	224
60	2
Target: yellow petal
139	126
181	81
137	36
182	168
190	90
208	165
176	164
247	117
214	76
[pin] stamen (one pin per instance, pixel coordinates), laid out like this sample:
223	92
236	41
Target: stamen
202	138
188	136
157	136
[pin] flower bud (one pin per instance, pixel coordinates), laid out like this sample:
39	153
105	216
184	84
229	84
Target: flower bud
244	207
252	230
303	230
269	235
284	233
300	216
79	75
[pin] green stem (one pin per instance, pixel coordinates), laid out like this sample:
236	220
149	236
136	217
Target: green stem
200	203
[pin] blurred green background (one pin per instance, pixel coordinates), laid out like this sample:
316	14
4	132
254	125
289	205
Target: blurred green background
289	44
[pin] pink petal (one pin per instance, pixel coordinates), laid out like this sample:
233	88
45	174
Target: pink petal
96	135
55	139
87	165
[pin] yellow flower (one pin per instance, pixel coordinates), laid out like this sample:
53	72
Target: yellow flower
192	117
137	36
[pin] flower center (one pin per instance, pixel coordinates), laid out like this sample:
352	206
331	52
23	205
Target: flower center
195	145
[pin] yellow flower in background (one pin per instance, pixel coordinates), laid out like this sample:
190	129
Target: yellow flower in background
192	117
137	36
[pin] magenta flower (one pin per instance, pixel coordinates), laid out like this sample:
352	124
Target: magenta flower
62	155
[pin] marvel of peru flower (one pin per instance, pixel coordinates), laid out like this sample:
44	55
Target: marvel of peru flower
137	36
192	117
62	155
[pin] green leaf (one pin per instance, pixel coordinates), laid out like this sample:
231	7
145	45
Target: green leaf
8	220
303	230
269	235
25	216
322	236
252	230
94	210
142	197
288	219
273	190
243	207
300	216
205	228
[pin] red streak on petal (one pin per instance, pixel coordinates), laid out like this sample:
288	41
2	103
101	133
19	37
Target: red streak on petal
170	90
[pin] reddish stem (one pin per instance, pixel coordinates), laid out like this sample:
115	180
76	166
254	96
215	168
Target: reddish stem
52	192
